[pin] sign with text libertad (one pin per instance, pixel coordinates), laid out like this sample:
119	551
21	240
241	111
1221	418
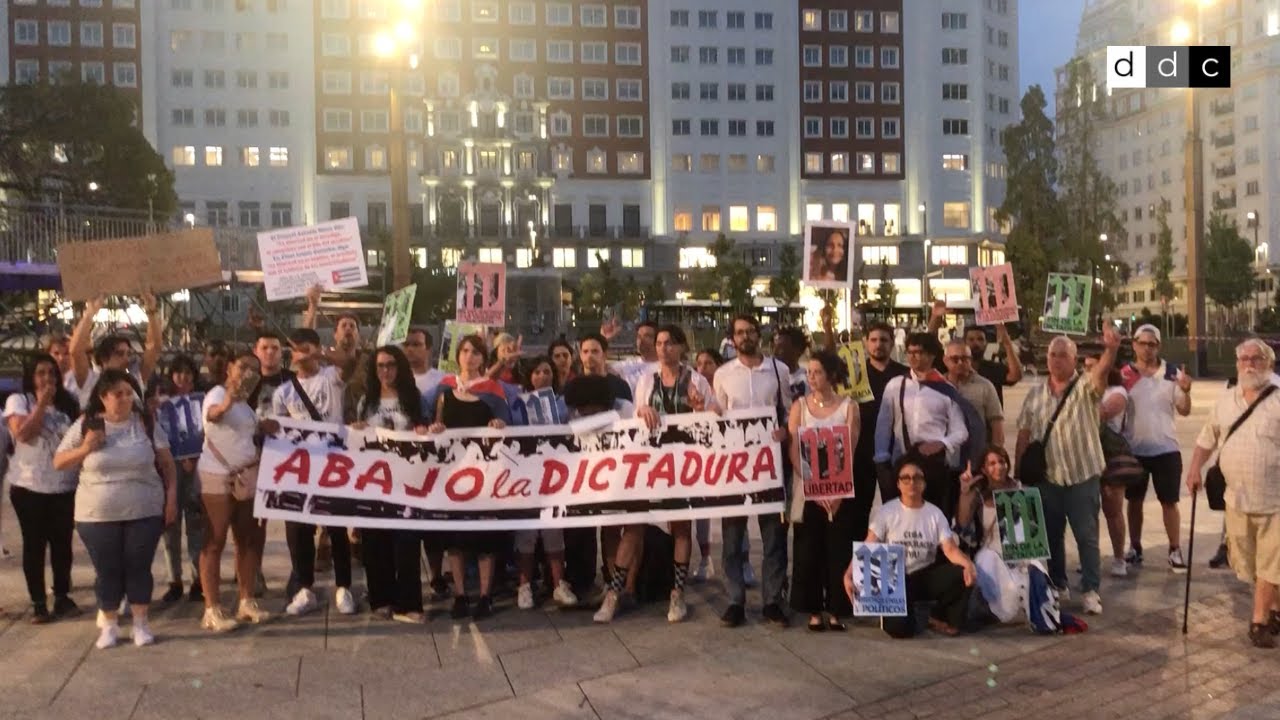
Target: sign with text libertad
1020	518
596	471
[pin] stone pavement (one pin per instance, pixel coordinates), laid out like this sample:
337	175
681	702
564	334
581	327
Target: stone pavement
1133	662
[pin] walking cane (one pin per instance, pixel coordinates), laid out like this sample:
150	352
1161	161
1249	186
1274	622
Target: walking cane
1191	547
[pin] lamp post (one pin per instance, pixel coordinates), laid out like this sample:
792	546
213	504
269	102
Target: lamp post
394	45
1193	174
923	209
1254	222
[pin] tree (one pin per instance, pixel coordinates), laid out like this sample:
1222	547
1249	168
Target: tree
597	292
732	276
1031	204
1228	263
785	286
56	139
1162	267
655	291
886	292
632	297
436	299
1088	196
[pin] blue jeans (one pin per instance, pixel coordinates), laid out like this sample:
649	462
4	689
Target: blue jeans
773	564
122	552
1078	505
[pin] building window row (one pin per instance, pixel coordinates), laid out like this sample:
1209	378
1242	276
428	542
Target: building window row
59	33
123	74
217	117
589	52
710	19
518	12
735	163
710	55
863	21
890	214
711	219
864	56
184	40
863	163
217	156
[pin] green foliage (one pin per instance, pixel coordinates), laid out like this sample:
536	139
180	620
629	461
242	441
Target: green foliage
598	292
886	292
785	286
55	139
1228	262
655	291
437	297
1163	265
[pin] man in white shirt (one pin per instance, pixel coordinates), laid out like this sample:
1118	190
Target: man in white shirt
1157	391
417	347
646	348
915	416
753	381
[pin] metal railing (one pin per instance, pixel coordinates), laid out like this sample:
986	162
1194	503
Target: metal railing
32	232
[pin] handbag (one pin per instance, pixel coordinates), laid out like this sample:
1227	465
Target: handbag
243	484
1033	465
1215	483
1123	467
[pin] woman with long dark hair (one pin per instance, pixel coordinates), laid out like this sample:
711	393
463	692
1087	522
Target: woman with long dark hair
44	499
392	558
562	358
125	499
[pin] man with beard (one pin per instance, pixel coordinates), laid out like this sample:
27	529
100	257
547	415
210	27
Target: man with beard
646	348
881	368
417	347
1250	467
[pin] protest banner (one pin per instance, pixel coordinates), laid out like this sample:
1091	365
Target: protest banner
826	462
828	247
697	465
879	580
1066	304
296	258
854	355
453	332
482	293
995	299
397	312
1020	518
159	263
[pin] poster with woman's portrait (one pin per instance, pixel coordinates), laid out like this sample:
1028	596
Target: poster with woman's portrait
828	255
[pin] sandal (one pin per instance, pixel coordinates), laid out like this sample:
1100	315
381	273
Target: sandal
941	626
816	625
1260	636
835	625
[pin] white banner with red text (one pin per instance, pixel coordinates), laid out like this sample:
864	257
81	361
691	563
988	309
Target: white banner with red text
598	470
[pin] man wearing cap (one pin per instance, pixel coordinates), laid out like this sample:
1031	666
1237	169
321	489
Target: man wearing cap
1157	390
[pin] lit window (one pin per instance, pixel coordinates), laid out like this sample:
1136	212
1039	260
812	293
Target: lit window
337	158
890	163
955	214
739	218
595	254
955	161
812	20
764	163
737	163
250	157
450	257
632	257
564	257
840	212
682	221
682	162
840	162
872	255
709	163
597	162
813	212
696	257
813	162
279	157
866	162
524	257
184	155
489	255
949	255
710	218
766	218
630	163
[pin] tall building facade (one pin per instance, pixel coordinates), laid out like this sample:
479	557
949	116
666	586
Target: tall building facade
564	133
1142	141
91	40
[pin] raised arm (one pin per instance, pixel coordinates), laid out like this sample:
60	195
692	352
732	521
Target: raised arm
1111	346
81	343
937	315
1010	354
309	316
155	336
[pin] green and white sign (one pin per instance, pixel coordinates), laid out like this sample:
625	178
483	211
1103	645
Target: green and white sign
397	311
1066	304
1020	519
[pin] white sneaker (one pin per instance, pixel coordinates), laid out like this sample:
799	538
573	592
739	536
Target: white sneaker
250	612
108	635
524	597
563	596
304	601
1092	603
345	601
409	618
142	634
677	610
214	620
608	608
748	575
1176	563
1119	568
705	571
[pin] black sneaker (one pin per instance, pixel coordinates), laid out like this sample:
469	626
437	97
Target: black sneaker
1220	559
1274	623
197	593
483	608
64	606
774	615
40	614
439	588
733	616
461	608
174	594
1260	635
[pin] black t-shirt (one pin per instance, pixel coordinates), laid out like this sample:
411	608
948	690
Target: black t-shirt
868	411
995	372
621	390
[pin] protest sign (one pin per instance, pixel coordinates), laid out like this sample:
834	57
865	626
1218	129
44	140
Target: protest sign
294	259
544	407
1066	304
182	421
828	247
697	465
1020	518
854	355
482	293
995	299
826	462
879	579
158	263
453	332
397	312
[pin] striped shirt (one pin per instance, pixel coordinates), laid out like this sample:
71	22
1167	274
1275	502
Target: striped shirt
1252	462
1074	451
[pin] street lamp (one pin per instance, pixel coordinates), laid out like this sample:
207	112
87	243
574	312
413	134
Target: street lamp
394	45
923	209
1252	217
1185	32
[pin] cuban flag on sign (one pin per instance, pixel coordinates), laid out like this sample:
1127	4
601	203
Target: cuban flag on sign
346	275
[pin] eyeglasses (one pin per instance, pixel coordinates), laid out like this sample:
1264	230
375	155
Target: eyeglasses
911	477
917	352
1252	360
1146	343
959	358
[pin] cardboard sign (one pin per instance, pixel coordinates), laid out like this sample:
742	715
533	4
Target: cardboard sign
329	255
826	462
453	332
696	465
158	263
879	580
1020	519
397	314
854	355
996	300
482	293
1066	304
828	253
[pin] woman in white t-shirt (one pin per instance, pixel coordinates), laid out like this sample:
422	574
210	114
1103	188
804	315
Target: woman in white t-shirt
44	499
921	528
228	473
392	558
125	499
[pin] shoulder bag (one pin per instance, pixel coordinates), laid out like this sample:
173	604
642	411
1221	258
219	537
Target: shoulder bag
1033	466
306	399
1123	468
1215	483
